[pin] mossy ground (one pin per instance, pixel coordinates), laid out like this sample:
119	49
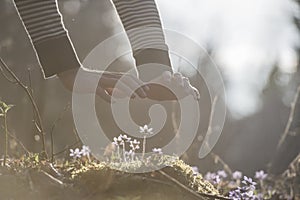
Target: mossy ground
31	178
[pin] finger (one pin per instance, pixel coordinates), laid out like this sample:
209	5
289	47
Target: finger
178	78
196	93
103	95
166	76
190	89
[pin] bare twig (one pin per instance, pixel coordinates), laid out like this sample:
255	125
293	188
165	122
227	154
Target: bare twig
30	80
6	77
66	108
215	157
197	194
34	105
290	120
292	165
6	139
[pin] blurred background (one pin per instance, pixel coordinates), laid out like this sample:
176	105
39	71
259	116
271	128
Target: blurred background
255	44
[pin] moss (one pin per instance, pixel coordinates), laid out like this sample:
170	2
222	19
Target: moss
107	176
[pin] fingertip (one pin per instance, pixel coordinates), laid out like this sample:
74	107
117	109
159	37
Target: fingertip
167	76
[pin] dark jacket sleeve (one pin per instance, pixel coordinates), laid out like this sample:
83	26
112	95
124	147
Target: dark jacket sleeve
54	48
141	21
43	23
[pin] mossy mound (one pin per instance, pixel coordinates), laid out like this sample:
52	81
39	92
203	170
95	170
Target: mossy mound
83	179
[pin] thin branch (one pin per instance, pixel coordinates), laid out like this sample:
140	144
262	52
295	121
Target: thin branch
30	80
34	105
292	165
290	120
66	108
197	194
6	77
216	157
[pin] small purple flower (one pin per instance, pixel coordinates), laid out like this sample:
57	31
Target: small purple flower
248	181
209	176
157	150
125	138
195	170
222	174
134	145
75	153
260	175
237	175
146	130
118	141
85	151
212	177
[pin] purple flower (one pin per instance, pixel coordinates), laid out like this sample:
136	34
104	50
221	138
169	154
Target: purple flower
146	130
125	138
237	175
248	181
212	177
195	170
85	151
157	150
75	153
222	174
260	175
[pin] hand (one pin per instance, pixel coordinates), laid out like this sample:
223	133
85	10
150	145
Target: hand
176	82
106	84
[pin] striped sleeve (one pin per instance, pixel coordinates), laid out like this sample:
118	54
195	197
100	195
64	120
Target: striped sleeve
43	23
142	24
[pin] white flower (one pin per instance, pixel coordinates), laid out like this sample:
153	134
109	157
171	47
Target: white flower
157	150
75	153
85	151
125	137
134	145
118	141
146	130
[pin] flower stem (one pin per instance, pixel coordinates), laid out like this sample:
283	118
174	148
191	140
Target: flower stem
124	156
144	147
6	140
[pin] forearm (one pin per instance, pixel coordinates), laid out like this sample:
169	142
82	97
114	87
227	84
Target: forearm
143	26
43	23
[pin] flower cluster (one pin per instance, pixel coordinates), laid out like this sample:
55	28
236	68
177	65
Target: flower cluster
245	192
130	146
76	153
216	178
121	141
242	187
